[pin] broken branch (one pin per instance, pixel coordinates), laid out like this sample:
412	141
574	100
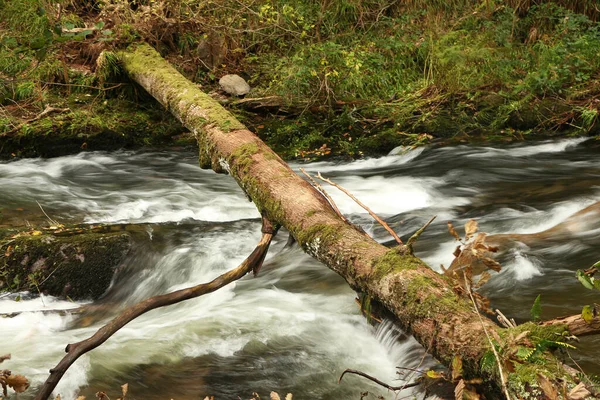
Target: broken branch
76	350
377	381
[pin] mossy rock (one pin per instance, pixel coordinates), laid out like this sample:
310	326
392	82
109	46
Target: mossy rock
79	265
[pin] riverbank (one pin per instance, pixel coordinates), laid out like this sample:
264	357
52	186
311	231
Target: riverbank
341	78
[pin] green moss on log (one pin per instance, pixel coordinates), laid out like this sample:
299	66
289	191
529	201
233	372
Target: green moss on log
191	105
391	261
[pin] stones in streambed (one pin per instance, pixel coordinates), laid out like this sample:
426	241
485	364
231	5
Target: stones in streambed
79	265
234	85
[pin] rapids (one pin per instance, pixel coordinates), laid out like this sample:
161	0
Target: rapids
296	327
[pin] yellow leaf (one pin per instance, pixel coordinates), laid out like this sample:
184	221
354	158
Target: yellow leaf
470	228
36	233
587	314
434	374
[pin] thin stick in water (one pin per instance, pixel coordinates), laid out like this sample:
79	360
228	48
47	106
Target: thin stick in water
375	216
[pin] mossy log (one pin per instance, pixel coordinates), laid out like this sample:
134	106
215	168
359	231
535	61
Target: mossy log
79	264
425	303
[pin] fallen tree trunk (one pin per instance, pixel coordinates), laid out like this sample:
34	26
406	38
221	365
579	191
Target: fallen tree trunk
425	303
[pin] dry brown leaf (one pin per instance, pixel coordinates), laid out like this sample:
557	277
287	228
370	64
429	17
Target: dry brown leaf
470	228
579	392
521	336
18	382
491	264
275	396
124	389
457	368
547	387
459	390
4	357
57	397
453	231
102	396
80	398
483	278
457	251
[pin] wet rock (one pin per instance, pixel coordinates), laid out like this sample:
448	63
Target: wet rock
78	266
234	85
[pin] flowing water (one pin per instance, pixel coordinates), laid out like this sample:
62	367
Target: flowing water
296	327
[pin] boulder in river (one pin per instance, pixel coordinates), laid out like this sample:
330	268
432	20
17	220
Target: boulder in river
234	85
79	265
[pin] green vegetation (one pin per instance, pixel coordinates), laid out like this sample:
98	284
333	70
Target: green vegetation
351	77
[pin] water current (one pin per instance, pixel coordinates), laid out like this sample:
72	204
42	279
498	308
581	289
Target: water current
296	326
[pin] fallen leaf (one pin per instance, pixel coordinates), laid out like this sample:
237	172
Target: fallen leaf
434	374
491	264
457	251
470	228
275	396
547	387
459	389
579	392
457	369
124	389
521	336
288	396
18	382
453	231
4	357
483	278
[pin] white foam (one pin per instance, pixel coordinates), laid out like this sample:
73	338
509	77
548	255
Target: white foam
398	156
557	146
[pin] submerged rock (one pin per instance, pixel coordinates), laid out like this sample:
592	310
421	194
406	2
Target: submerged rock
234	85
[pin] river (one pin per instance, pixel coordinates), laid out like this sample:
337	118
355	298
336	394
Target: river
296	326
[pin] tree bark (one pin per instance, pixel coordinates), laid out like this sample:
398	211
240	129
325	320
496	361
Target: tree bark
425	303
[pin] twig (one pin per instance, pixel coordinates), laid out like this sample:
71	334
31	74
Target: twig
53	222
325	194
377	381
502	380
503	320
48	110
76	350
415	236
381	222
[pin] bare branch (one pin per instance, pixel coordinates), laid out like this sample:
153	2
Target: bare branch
325	194
415	236
487	335
377	381
76	350
375	216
